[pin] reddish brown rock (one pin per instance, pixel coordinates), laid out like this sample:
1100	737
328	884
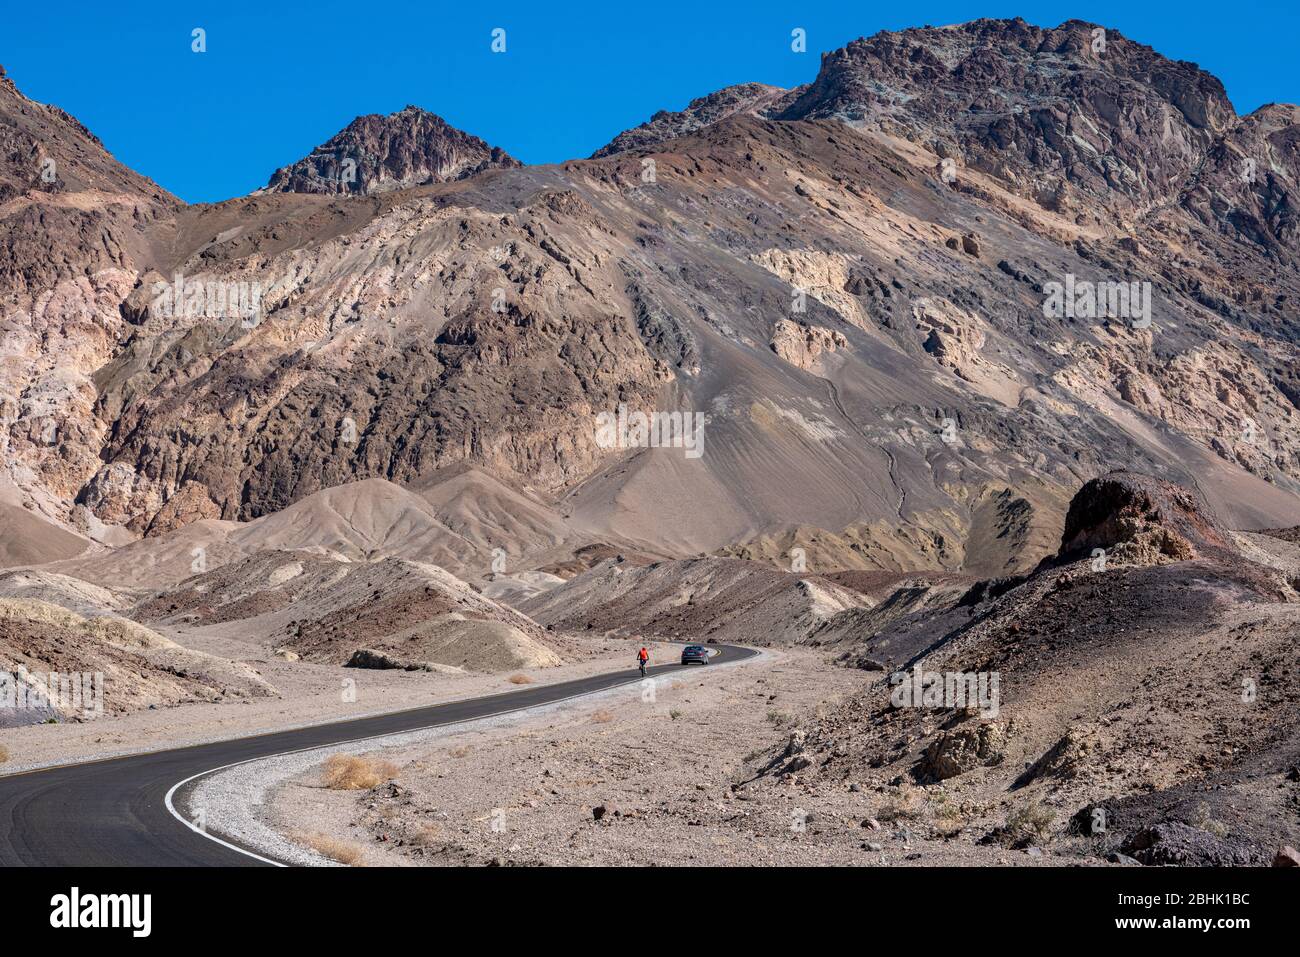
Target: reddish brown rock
377	153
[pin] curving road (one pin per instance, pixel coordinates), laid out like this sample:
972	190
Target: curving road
114	812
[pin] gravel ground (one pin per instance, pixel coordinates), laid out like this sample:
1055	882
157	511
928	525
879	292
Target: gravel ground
613	781
233	802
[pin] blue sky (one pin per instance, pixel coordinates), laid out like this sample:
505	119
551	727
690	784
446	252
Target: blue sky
279	78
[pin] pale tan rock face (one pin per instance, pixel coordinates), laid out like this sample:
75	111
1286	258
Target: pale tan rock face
817	275
803	346
49	429
851	321
954	337
1215	392
956	752
190	504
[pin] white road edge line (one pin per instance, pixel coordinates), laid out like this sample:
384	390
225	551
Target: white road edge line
451	724
198	830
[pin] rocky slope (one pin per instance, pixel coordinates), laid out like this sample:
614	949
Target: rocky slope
78	229
1071	117
746	99
1151	686
118	666
712	599
851	281
375	154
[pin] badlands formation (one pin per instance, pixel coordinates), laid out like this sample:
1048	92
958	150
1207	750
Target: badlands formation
993	337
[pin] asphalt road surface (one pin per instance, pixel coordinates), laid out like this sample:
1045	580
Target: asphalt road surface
113	813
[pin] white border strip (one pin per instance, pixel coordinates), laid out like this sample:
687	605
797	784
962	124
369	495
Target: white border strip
198	830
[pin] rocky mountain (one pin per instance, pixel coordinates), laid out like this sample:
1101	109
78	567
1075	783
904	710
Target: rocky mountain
1142	705
1068	117
78	230
375	154
746	99
960	273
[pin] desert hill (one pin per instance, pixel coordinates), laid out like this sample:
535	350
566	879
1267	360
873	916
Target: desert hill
137	667
1153	686
396	612
718	599
849	280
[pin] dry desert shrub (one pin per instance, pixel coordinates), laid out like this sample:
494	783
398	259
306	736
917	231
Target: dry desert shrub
903	807
949	819
1029	822
345	852
602	717
4	754
350	772
459	751
520	680
779	718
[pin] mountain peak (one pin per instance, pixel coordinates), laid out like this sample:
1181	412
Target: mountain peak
1053	111
46	150
377	153
758	99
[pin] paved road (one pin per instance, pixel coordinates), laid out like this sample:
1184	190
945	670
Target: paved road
113	812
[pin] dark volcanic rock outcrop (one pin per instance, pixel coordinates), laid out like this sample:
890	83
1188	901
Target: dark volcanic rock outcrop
1177	844
1125	508
1156	696
377	153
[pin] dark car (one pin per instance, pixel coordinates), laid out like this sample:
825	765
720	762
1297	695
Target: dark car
695	655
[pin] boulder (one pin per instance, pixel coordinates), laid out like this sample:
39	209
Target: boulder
963	749
1150	519
1173	842
1287	857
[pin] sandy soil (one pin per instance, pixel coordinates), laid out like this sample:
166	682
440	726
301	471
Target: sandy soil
676	779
